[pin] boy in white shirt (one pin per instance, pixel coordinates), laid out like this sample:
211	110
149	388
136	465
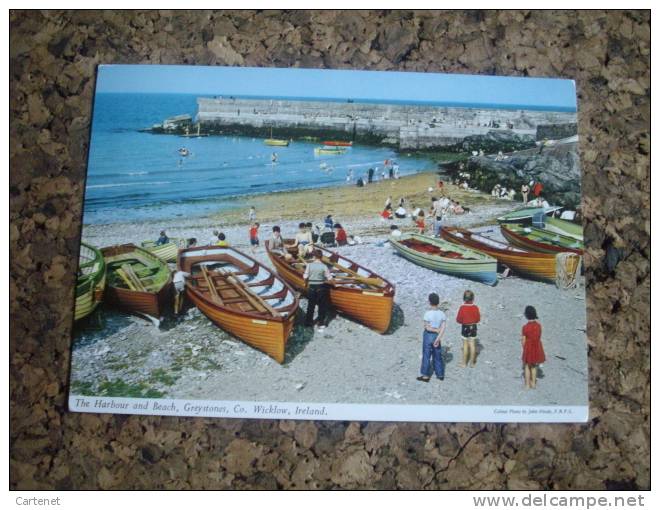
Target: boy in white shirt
435	323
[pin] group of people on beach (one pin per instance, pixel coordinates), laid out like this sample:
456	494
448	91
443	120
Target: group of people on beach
469	317
390	171
440	208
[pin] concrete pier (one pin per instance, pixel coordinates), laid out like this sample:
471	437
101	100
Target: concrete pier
411	127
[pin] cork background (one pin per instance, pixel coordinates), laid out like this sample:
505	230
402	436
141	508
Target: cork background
53	55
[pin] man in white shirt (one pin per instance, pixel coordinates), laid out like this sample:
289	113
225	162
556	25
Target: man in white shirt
179	280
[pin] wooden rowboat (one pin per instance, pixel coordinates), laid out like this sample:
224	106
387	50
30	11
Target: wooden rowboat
534	265
167	251
563	227
241	296
336	143
138	281
355	291
91	281
445	257
539	240
336	151
526	214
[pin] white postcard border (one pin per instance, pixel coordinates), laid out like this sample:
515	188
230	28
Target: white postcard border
328	411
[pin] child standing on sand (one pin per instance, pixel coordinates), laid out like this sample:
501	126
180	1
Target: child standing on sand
468	317
254	236
532	348
434	328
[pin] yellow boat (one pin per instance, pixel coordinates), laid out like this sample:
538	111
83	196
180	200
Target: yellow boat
276	142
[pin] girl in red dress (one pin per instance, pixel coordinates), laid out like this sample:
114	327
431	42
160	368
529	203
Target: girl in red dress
532	348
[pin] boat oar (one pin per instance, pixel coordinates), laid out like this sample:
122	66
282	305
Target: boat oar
368	280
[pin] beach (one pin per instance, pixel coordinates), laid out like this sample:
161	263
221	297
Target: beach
189	357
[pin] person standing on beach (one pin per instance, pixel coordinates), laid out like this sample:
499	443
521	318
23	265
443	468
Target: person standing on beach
317	275
434	329
468	317
179	280
254	236
532	348
436	214
524	191
371	176
276	243
252	215
349	176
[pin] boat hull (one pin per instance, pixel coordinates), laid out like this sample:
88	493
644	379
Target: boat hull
526	215
522	241
136	301
483	271
166	252
90	287
333	143
268	336
277	143
371	308
267	333
536	266
89	300
564	227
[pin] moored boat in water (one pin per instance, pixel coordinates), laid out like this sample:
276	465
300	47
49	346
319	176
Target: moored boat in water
336	151
337	143
539	240
91	281
446	257
138	281
534	265
241	296
355	291
276	142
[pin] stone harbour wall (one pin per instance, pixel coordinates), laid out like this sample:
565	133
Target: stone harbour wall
404	126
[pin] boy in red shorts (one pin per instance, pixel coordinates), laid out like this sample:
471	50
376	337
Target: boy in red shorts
468	317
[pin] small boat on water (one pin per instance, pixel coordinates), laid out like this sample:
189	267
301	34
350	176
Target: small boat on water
543	241
563	227
138	281
534	265
355	290
167	251
333	151
526	214
337	143
276	142
241	296
183	152
91	281
446	257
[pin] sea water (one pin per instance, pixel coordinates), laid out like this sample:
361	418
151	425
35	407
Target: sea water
139	176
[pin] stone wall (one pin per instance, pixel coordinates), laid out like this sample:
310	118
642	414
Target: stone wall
405	126
555	131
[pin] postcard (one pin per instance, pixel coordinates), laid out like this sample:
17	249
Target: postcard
331	245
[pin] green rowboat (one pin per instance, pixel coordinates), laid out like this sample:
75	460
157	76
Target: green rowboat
566	228
445	257
525	215
167	251
91	280
539	240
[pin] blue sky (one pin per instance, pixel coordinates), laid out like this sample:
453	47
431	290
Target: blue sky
338	84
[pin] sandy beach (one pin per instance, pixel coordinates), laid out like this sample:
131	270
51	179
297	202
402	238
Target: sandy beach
189	357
